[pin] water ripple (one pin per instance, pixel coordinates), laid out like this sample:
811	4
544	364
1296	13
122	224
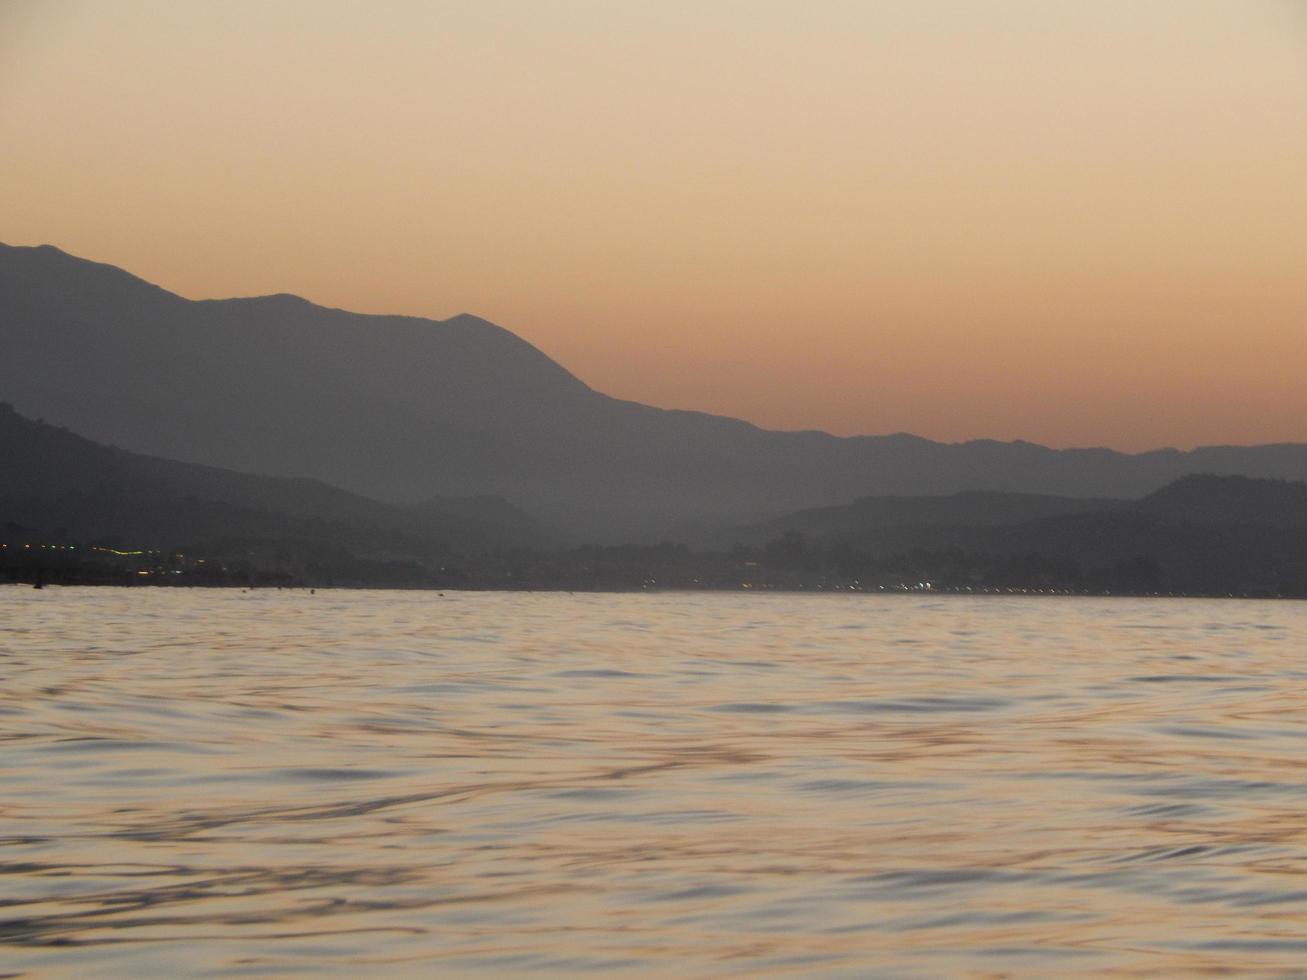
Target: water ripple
360	783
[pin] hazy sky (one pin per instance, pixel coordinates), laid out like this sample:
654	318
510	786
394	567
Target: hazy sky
1081	222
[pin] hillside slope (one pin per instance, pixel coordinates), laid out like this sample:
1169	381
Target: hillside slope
54	479
406	409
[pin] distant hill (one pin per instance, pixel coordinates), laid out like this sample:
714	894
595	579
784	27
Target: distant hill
483	510
1201	534
404	409
54	479
975	509
1230	500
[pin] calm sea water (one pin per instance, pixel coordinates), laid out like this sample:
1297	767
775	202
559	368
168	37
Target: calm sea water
226	783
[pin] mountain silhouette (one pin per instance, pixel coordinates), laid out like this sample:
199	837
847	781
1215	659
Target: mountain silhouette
1231	500
971	509
55	479
1200	535
405	409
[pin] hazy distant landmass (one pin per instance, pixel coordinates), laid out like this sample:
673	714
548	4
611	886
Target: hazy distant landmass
404	410
974	508
59	488
72	511
1200	535
1198	500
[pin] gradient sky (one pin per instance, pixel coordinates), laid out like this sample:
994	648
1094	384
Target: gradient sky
1080	223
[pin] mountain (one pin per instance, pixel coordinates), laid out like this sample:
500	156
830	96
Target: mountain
1230	501
405	409
484	510
1201	535
974	509
56	480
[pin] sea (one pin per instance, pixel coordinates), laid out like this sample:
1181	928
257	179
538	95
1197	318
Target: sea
234	783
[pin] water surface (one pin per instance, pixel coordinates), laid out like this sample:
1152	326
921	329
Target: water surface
233	783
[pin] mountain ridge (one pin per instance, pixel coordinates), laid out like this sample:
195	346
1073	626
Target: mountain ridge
405	408
1199	535
55	478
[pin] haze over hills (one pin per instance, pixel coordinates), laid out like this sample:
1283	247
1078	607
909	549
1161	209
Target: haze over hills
1231	501
57	481
406	409
1198	499
1199	535
977	508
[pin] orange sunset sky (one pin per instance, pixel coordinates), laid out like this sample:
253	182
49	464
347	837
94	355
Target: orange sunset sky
1080	223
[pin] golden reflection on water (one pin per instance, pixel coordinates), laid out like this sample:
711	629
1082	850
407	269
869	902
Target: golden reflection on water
728	785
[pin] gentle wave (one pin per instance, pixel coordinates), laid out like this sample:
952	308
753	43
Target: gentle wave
263	783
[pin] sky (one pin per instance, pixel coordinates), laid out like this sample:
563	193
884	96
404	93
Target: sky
1075	223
